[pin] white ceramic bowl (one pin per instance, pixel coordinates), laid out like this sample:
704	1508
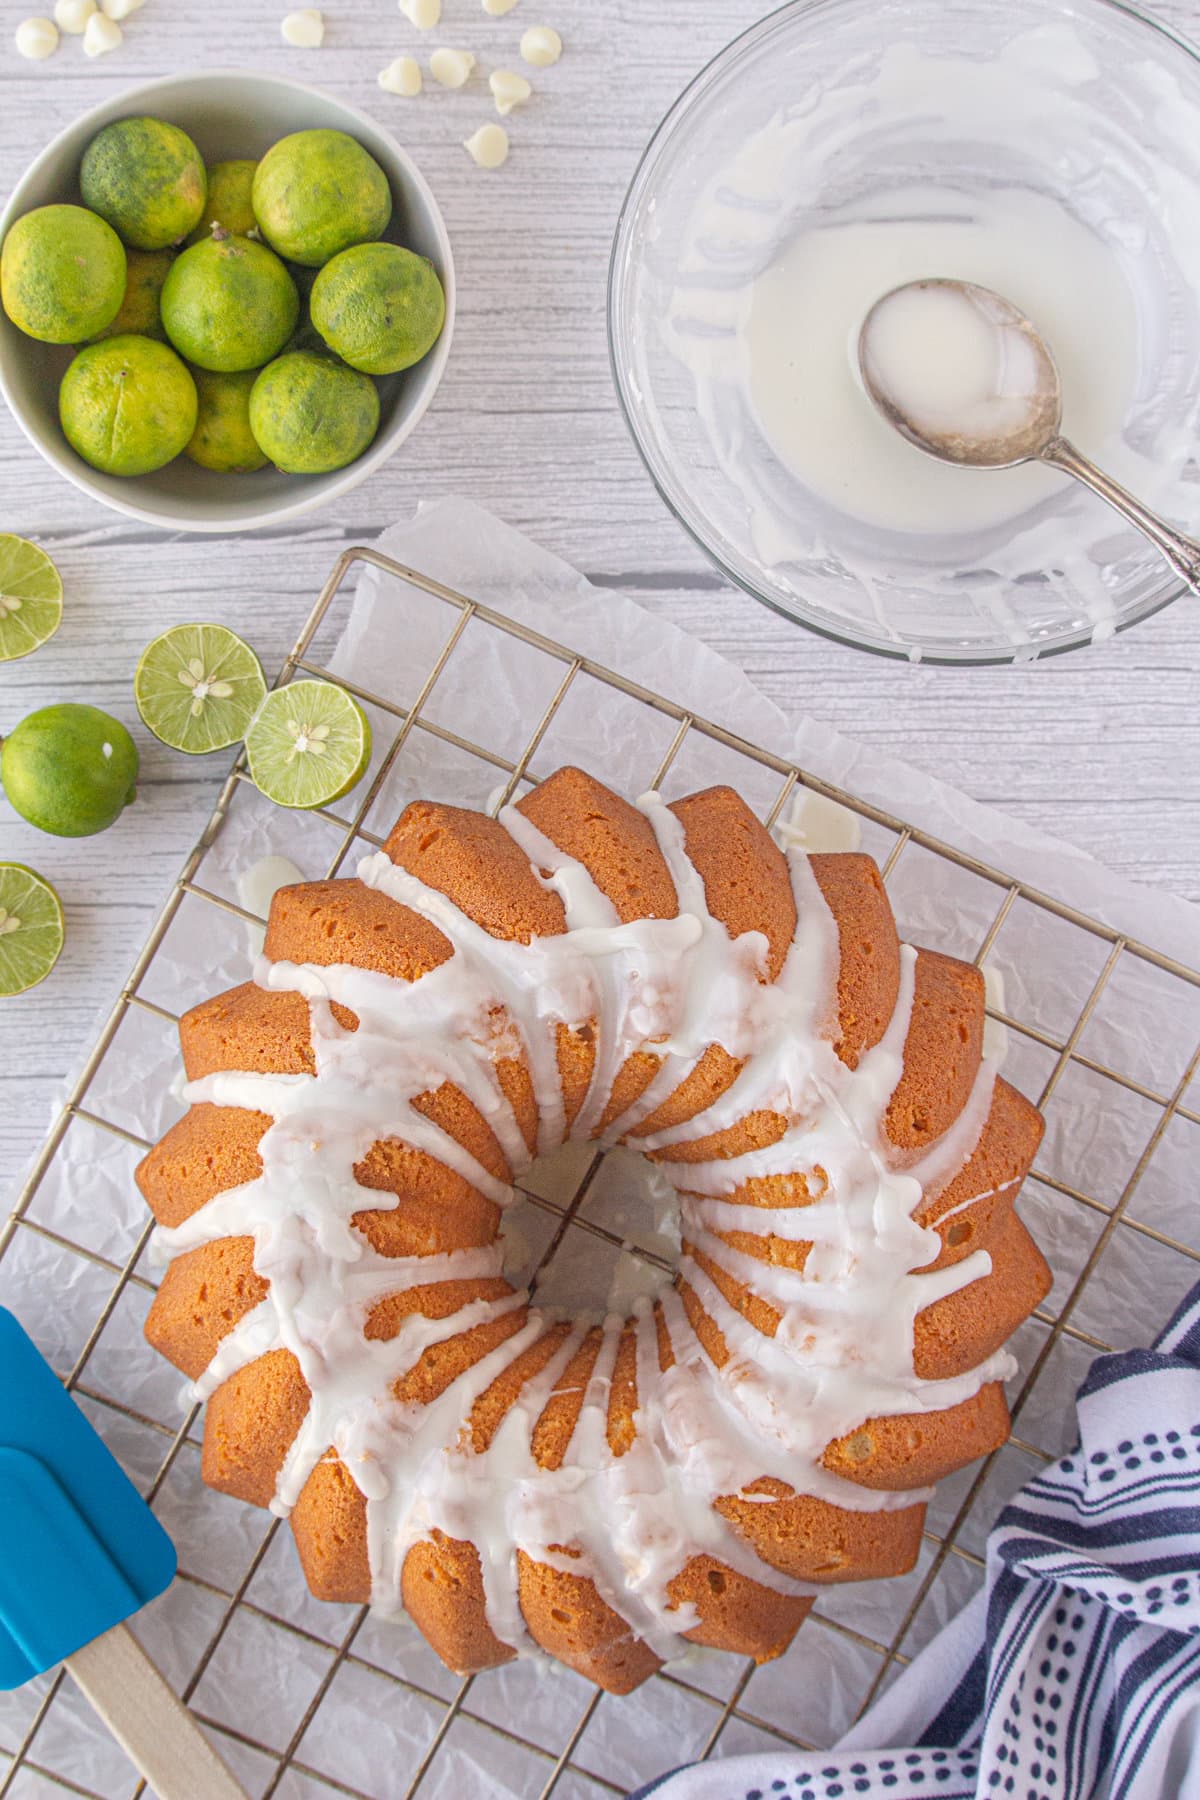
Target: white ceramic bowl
229	114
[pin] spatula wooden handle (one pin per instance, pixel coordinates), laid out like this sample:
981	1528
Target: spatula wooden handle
149	1720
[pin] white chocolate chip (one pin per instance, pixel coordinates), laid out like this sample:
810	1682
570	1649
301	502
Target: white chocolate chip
120	9
402	77
496	9
37	39
541	46
101	35
451	67
488	146
424	14
304	30
508	90
73	15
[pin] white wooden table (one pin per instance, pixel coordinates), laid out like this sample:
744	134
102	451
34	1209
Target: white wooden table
1102	746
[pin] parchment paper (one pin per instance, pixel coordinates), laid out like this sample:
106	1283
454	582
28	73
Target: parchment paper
370	1733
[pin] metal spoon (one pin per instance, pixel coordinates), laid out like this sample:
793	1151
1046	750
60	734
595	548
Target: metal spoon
1016	420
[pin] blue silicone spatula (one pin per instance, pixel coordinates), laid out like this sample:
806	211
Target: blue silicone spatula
81	1552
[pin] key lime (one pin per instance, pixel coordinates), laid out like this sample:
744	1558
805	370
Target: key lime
31	928
30	597
197	687
145	272
311	414
223	439
147	179
229	304
228	204
380	307
127	405
318	192
70	769
62	274
309	745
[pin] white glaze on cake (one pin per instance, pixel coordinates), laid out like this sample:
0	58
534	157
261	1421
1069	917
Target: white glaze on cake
843	1351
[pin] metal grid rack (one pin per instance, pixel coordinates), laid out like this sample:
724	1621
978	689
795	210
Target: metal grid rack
725	1714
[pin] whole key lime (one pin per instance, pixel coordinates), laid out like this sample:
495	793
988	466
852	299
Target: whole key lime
127	405
379	307
62	274
311	414
223	439
228	203
70	770
140	310
318	192
147	179
229	304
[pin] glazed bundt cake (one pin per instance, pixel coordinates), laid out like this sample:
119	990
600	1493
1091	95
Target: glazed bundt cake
845	1160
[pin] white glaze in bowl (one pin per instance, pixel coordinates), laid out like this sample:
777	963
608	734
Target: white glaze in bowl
834	111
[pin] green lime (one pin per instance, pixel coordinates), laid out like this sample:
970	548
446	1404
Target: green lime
312	414
229	304
379	307
147	179
223	439
140	310
69	769
197	687
309	744
62	274
127	405
31	928
30	597
318	192
228	204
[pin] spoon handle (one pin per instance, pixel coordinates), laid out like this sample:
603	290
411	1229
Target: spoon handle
1183	553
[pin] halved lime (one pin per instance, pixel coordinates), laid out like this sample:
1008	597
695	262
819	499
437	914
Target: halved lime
31	928
197	687
309	744
30	597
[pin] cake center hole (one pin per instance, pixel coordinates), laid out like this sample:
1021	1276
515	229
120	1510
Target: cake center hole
592	1230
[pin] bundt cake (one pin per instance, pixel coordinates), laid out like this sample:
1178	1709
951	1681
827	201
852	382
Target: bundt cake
845	1160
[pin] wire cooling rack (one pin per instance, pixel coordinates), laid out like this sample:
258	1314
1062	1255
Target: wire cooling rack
371	1714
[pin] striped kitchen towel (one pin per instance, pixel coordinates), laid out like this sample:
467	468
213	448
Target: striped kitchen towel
1075	1674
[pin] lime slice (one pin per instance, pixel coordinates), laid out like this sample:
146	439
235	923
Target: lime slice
30	597
197	687
31	928
309	744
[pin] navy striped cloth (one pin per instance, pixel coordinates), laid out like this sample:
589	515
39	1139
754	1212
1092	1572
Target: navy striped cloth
1075	1673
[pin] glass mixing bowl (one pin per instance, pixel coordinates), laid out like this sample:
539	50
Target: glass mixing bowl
1116	143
